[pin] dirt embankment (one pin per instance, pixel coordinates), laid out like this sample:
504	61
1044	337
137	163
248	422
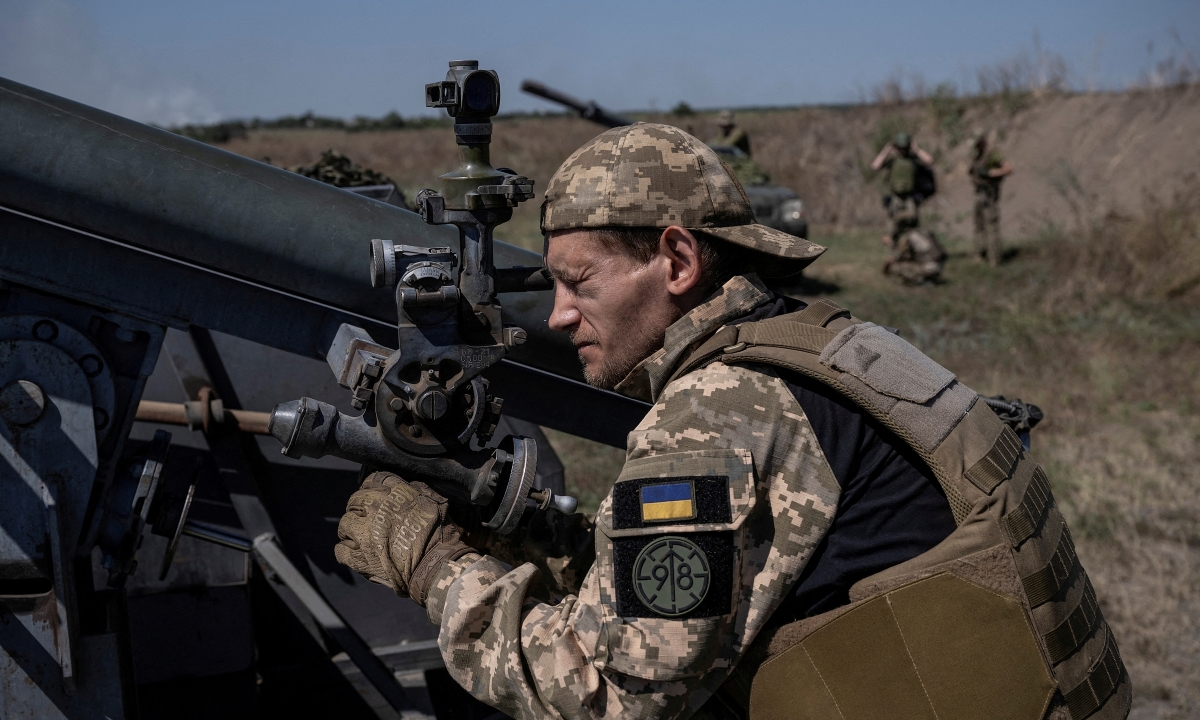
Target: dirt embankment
1077	157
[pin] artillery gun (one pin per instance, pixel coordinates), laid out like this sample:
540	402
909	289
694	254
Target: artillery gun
159	555
773	205
424	401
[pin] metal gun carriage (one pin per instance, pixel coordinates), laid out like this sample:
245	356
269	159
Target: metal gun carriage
138	267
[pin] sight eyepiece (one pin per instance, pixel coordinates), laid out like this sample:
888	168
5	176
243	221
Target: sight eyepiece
468	94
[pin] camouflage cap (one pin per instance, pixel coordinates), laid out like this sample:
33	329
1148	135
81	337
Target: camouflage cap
647	175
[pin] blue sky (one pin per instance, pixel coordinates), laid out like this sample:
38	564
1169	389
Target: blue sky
167	62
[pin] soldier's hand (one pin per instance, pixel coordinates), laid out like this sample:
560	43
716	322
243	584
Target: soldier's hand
396	534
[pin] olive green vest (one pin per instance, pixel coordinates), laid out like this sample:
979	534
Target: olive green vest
999	620
902	176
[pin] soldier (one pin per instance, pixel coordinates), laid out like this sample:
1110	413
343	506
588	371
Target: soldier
731	135
988	170
917	257
812	515
909	177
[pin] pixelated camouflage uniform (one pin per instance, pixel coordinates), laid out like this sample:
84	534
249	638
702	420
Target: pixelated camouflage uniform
917	257
645	176
579	658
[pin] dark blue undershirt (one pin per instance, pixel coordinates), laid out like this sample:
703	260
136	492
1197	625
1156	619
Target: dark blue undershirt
891	507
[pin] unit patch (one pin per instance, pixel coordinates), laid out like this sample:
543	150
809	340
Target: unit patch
674	576
671	575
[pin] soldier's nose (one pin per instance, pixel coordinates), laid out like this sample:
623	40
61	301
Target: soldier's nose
565	315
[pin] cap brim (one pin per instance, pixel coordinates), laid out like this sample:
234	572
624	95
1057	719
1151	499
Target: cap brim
778	254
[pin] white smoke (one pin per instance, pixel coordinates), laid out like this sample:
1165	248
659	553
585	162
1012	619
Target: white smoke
53	45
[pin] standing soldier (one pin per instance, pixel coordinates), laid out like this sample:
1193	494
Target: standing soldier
988	170
909	183
813	519
731	134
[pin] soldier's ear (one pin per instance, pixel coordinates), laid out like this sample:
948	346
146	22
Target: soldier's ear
681	250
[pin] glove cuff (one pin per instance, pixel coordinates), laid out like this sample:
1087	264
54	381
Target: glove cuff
431	562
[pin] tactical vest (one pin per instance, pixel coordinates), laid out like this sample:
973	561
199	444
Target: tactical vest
999	620
902	176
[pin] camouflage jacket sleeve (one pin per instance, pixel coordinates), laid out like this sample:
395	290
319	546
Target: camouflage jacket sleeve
561	547
763	497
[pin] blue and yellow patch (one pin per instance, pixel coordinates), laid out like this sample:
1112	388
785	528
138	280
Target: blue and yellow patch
668	501
701	499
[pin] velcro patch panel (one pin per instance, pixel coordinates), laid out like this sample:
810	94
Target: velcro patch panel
631	569
655	501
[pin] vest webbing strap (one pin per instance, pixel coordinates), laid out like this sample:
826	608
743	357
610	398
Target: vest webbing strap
806	364
1041	585
791	343
1021	522
1087	697
820	312
792	334
1068	636
706	352
997	466
803	330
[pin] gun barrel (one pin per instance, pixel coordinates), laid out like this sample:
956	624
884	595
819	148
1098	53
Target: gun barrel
587	110
132	218
533	87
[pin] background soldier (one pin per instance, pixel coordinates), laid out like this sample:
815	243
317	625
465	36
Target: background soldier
767	489
731	134
917	257
988	170
909	183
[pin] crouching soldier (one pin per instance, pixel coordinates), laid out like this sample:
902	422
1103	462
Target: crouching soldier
917	257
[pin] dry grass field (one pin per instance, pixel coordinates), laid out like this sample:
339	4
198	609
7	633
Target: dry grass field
1078	158
1095	317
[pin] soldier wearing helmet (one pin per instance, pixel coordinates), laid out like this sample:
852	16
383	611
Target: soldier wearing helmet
907	183
731	135
812	517
915	254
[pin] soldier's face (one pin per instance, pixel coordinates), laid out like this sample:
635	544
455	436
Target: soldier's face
616	309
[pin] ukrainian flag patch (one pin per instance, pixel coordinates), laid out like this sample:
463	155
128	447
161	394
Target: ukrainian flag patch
668	501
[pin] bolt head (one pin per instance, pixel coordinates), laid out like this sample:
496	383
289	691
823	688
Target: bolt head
515	336
433	404
22	403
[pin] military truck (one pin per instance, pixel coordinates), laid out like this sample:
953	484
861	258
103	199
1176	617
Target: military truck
774	205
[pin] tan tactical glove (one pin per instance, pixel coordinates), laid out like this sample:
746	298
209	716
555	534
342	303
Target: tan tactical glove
396	534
